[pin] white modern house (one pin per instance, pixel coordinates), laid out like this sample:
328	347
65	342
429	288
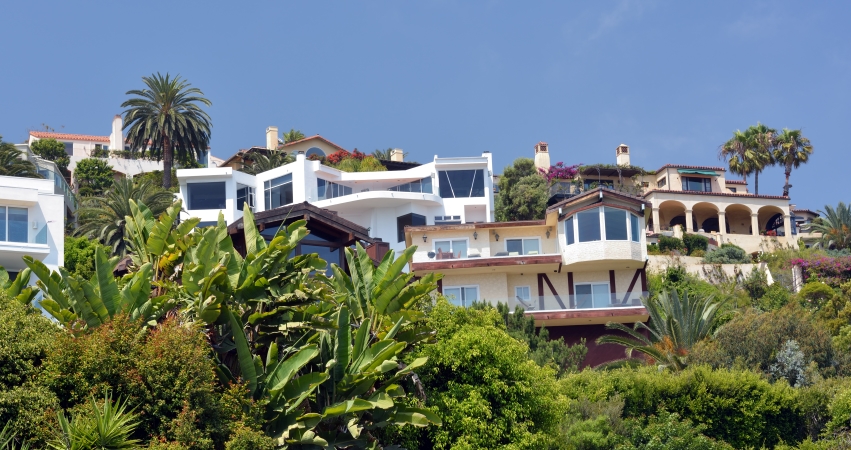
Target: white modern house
454	190
32	223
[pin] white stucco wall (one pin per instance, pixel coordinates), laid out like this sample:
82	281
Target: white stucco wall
47	211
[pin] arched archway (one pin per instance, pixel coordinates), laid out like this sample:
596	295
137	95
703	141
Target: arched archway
705	217
738	219
314	151
770	218
671	213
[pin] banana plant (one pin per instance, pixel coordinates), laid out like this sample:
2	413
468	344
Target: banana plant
381	295
18	289
69	298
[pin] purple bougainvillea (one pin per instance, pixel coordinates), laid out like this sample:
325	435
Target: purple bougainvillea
829	270
559	172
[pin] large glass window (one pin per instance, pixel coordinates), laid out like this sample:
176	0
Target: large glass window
697	184
592	295
461	295
69	148
615	224
530	246
13	224
462	183
329	189
206	195
244	194
589	225
523	293
633	225
420	186
408	219
568	230
279	191
451	249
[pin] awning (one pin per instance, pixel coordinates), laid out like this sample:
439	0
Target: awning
711	173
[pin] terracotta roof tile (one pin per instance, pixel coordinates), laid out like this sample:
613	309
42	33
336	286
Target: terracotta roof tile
735	182
806	211
680	166
720	194
68	136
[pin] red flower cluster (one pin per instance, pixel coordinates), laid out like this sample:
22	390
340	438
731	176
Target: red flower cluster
336	157
560	172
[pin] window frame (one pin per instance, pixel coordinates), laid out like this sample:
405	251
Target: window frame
705	181
523	245
448	188
434	242
630	236
268	187
400	228
517	295
606	228
189	203
250	197
461	287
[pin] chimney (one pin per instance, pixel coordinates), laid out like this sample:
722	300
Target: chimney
116	138
397	155
623	155
542	156
272	138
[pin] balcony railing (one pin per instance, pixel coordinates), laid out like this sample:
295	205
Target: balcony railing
576	302
568	189
18	238
48	170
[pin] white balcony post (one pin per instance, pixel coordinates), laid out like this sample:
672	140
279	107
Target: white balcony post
722	222
755	224
689	219
657	226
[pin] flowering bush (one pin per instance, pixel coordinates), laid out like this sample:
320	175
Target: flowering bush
338	156
559	172
829	270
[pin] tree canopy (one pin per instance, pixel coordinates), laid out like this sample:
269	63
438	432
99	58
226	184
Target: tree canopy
523	192
93	177
52	150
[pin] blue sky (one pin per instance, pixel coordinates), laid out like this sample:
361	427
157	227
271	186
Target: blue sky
671	79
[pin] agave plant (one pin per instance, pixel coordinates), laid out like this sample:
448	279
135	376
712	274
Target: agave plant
676	324
103	426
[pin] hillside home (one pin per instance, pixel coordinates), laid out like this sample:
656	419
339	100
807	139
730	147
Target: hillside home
697	198
580	267
32	222
452	190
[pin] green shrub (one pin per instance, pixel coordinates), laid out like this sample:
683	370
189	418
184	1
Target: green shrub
244	438
755	284
698	253
666	431
653	249
727	254
740	408
775	297
835	312
668	244
80	256
752	340
694	242
840	412
815	294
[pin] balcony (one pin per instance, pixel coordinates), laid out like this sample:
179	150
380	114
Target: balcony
605	254
11	251
553	310
474	262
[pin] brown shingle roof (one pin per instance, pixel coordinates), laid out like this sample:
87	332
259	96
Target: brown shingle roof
68	136
593	192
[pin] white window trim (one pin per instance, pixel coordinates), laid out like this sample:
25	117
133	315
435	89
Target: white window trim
527	287
466	303
603	225
602	218
540	246
592	283
435	240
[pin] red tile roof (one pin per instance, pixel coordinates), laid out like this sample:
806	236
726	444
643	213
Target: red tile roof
806	211
680	166
736	182
68	136
720	194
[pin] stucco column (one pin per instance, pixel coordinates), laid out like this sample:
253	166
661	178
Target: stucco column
657	226
722	222
787	226
689	227
755	224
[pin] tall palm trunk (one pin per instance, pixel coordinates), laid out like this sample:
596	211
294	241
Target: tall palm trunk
756	182
787	185
168	161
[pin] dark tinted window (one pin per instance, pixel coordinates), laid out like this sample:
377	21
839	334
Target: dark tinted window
279	191
589	225
568	230
206	195
462	183
615	224
697	184
408	219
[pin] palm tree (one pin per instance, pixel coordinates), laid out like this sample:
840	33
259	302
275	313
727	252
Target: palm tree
792	150
676	324
166	119
834	226
261	163
103	218
11	164
749	152
293	135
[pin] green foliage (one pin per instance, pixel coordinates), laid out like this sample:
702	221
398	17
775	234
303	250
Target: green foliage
840	411
103	218
835	312
738	407
292	136
815	294
102	426
165	120
695	242
52	150
774	298
17	289
677	323
261	163
155	178
727	254
543	350
756	284
245	438
653	249
753	339
484	386
80	256
750	151
523	192
11	164
835	226
371	164
669	244
666	431
93	177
